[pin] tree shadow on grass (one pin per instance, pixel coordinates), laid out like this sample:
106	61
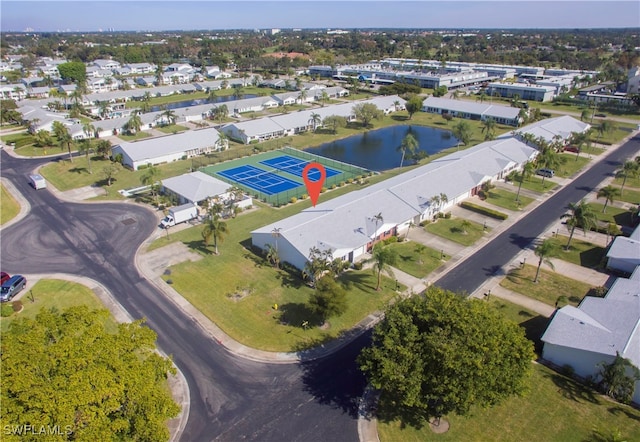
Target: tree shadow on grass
400	117
78	170
592	258
389	412
572	390
623	410
624	219
296	314
289	279
359	280
199	246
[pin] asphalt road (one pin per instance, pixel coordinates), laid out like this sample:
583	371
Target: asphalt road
504	247
233	398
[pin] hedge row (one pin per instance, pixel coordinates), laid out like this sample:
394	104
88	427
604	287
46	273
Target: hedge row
484	210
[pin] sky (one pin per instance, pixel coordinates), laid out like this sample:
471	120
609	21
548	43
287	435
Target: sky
159	15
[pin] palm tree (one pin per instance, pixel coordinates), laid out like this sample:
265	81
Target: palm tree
605	128
548	159
544	251
464	225
527	170
215	228
377	219
135	123
324	97
409	143
489	128
103	148
272	256
84	146
170	116
315	120
65	139
630	169
481	96
580	139
383	259
609	193
303	96
149	179
89	130
580	216
221	112
584	116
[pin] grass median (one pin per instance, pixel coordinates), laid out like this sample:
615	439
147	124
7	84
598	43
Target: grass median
9	207
417	259
56	293
458	230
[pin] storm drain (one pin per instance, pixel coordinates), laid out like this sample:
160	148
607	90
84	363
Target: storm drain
128	221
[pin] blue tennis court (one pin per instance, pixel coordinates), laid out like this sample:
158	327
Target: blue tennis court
295	166
257	179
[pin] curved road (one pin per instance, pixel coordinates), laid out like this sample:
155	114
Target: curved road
233	398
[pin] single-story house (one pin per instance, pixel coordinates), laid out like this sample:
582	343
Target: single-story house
347	225
593	333
624	254
169	148
257	130
551	129
473	111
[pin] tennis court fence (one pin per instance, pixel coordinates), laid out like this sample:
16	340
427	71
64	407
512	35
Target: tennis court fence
349	173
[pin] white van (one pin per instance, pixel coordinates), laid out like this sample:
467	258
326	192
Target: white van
38	181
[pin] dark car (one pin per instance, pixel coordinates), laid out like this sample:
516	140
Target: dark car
11	288
4	277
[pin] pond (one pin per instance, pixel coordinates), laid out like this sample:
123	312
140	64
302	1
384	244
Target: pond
189	103
379	149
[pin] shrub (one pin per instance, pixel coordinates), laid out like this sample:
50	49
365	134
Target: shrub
304	196
447	215
333	186
357	265
350	180
390	240
17	306
568	370
484	210
323	190
293	200
342	183
6	310
143	166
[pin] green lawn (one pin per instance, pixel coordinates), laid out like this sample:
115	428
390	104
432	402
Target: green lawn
53	293
630	195
506	199
9	207
172	128
613	214
418	263
453	230
535	184
582	253
571	164
557	409
136	136
549	287
237	289
631	182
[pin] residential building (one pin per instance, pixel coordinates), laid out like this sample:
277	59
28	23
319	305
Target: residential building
347	226
169	148
473	111
524	91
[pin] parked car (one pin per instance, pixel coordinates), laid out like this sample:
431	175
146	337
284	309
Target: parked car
545	172
573	149
11	288
4	277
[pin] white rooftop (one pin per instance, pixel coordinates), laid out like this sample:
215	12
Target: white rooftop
182	142
196	186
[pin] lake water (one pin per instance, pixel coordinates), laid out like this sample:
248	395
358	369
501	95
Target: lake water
378	149
188	103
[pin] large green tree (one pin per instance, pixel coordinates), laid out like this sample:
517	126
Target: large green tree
413	105
618	378
69	369
366	113
74	71
442	354
462	131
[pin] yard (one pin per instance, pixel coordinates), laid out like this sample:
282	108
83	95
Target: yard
416	259
613	214
557	409
238	289
582	253
507	200
549	287
457	229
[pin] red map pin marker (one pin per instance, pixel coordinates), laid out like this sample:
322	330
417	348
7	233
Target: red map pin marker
314	186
